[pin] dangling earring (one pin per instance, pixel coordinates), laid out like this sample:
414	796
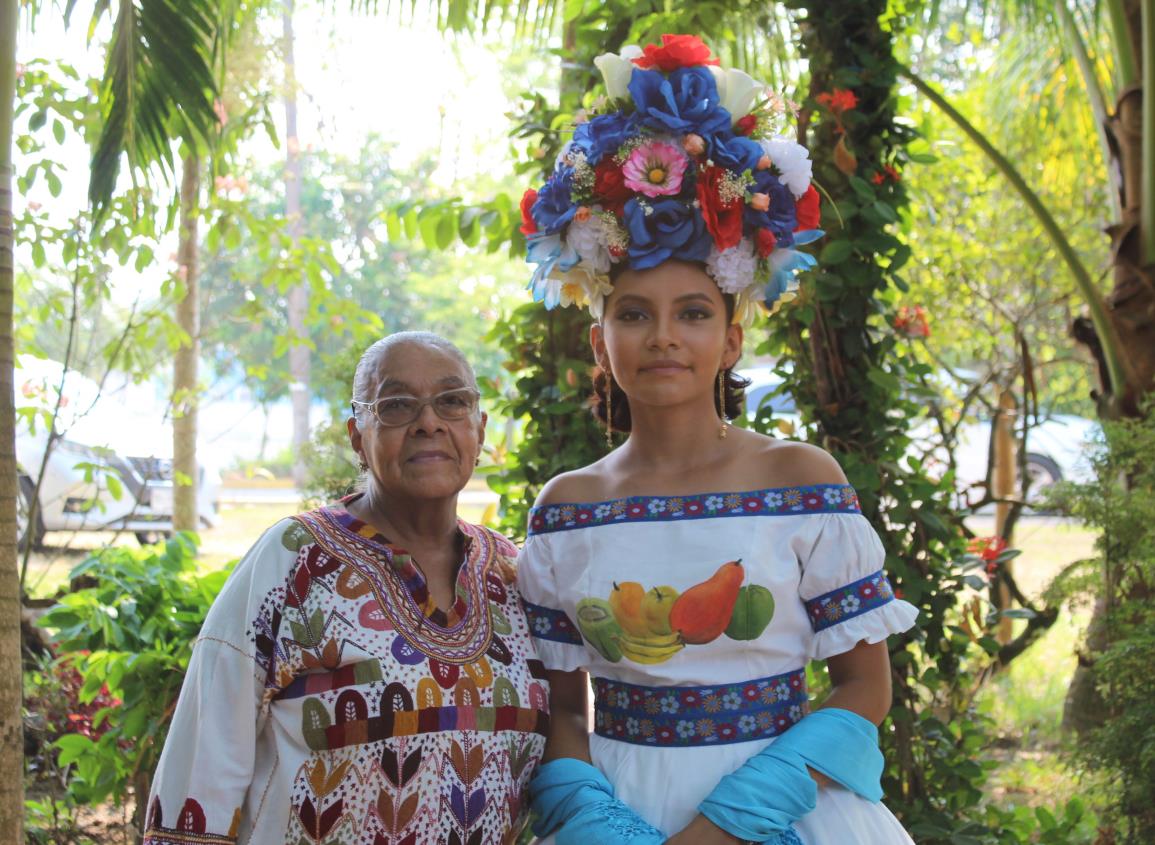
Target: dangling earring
609	410
722	404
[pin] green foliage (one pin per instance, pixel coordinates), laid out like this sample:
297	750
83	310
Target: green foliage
1120	503
130	636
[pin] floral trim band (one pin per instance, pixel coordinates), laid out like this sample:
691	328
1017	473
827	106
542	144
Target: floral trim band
774	501
691	716
863	596
545	623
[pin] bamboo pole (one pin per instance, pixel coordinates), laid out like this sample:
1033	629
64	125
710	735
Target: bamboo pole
1147	204
1004	481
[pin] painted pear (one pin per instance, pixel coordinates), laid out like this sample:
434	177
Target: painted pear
752	613
626	604
656	607
702	613
597	624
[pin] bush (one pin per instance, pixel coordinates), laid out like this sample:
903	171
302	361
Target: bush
1121	504
130	638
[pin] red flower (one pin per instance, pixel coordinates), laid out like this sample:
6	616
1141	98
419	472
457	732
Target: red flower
878	178
891	172
987	548
912	322
528	225
610	187
676	51
723	219
745	125
807	209
765	242
838	101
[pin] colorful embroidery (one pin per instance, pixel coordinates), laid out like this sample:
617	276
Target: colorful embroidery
545	623
374	562
690	716
854	599
189	830
775	501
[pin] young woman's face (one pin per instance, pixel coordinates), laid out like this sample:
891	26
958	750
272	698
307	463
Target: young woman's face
665	335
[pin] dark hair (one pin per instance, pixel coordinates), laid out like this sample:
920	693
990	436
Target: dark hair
735	389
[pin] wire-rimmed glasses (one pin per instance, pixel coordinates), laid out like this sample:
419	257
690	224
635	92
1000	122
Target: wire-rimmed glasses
399	410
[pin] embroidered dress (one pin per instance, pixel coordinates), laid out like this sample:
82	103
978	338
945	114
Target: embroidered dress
328	700
696	616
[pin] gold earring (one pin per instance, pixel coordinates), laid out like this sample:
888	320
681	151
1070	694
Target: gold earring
609	411
722	404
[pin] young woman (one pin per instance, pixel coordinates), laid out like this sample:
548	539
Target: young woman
695	570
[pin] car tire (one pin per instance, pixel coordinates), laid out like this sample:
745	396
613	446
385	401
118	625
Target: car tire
1042	473
151	538
28	532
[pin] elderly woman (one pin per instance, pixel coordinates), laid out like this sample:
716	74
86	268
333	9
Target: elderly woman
366	676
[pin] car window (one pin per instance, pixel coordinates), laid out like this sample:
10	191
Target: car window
781	403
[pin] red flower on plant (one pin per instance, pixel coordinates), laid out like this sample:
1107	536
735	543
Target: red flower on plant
676	51
745	125
807	210
878	178
723	219
987	548
912	321
765	242
838	101
528	224
610	187
887	172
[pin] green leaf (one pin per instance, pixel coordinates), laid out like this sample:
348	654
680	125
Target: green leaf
862	188
836	252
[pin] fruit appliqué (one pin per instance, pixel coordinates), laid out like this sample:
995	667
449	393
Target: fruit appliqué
651	626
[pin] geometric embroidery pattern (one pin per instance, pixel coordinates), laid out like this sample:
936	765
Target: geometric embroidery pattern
545	623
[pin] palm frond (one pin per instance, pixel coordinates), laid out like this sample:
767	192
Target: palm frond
158	84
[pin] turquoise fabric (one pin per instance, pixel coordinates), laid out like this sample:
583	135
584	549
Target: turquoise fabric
573	800
773	788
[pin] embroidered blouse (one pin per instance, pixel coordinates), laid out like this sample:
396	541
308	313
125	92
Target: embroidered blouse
328	700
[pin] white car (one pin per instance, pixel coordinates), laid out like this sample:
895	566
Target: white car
1058	448
109	468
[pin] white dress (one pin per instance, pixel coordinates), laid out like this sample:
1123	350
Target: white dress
695	616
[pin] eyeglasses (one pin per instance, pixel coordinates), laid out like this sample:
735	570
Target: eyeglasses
395	411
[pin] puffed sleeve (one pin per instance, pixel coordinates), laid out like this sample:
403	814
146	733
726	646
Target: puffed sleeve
206	767
844	587
558	640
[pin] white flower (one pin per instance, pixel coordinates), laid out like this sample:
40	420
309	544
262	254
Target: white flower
832	495
793	162
849	604
713	503
733	270
736	90
590	239
541	625
657	506
617	70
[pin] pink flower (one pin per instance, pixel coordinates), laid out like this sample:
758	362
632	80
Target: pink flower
655	169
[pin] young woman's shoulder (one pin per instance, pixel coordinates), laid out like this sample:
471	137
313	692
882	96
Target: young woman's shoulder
787	463
580	485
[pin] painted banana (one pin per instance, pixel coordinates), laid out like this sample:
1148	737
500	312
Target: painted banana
650	649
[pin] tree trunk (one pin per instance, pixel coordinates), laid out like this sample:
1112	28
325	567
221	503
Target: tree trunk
299	295
1131	306
184	380
11	724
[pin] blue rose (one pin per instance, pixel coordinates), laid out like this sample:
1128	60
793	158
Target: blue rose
672	229
555	207
604	134
685	101
734	152
781	218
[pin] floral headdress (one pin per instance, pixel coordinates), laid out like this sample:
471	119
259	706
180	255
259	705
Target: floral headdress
683	164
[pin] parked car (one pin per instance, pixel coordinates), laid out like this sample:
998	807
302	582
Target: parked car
110	467
1058	448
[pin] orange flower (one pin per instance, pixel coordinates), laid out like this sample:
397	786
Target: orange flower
676	51
987	548
838	101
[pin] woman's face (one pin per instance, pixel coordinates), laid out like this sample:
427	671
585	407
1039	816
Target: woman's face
430	457
665	335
